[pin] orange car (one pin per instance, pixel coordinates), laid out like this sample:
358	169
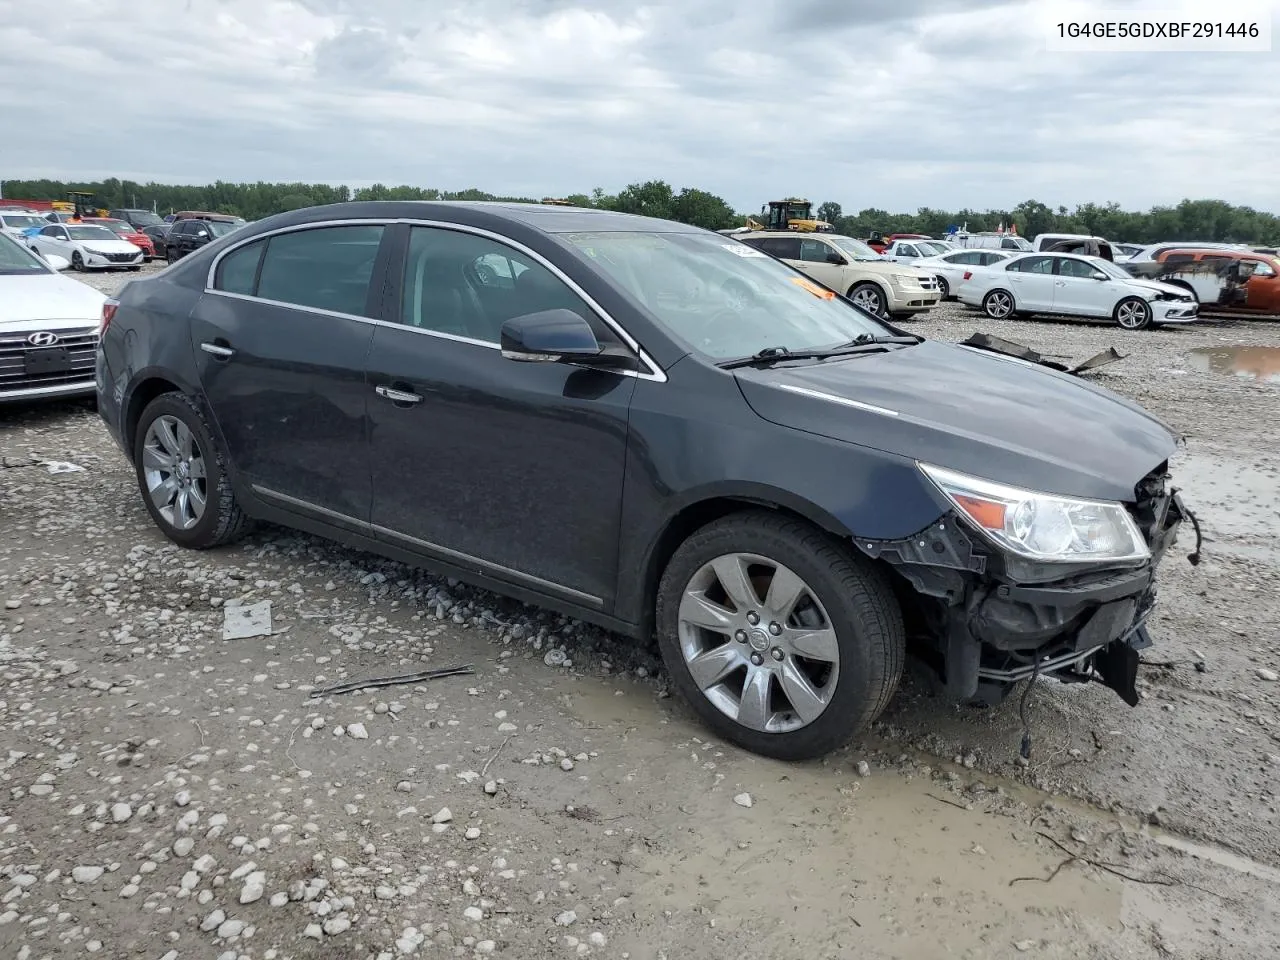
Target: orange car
126	231
1226	281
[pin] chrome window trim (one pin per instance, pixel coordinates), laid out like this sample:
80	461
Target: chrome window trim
653	371
487	567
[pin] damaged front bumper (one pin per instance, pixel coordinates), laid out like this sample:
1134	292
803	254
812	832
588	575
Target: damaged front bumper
986	621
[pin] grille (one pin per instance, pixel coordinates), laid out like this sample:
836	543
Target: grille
929	283
82	347
120	257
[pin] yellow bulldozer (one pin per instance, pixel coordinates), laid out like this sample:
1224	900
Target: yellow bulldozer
794	213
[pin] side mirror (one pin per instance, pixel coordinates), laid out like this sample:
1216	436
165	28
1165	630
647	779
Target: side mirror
836	258
1099	275
57	262
202	233
549	336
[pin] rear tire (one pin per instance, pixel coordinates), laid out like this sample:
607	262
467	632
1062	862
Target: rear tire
830	656
998	305
182	475
944	289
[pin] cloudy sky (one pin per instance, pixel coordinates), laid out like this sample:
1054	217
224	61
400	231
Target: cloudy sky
897	105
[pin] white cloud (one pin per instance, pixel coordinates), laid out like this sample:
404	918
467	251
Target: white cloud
942	104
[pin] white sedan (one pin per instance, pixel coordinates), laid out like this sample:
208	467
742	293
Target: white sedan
1072	285
87	245
950	268
48	327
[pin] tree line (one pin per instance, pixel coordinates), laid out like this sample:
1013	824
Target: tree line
1210	220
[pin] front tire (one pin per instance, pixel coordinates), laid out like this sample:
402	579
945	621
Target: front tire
780	638
77	261
1133	313
869	297
998	305
182	475
944	289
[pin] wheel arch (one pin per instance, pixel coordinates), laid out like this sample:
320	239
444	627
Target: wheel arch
700	508
145	388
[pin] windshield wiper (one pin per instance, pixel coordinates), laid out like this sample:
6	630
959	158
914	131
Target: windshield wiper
865	343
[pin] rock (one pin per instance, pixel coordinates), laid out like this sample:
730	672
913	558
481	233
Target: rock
1025	945
183	846
486	946
474	914
491	787
182	798
336	925
555	658
230	928
597	939
473	833
404	786
213	921
278	899
1268	675
357	731
121	812
86	874
254	887
864	768
566	764
314	931
743	800
443	815
568	918
470	888
204	864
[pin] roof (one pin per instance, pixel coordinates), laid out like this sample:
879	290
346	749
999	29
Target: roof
546	218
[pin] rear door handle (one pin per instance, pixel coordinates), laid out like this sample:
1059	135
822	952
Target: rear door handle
397	396
218	350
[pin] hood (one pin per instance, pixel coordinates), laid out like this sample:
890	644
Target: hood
1157	287
989	416
885	267
48	296
108	246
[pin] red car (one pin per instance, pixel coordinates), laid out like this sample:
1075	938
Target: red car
128	232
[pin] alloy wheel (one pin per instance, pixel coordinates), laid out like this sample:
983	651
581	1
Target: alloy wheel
868	299
998	305
758	643
174	472
1133	314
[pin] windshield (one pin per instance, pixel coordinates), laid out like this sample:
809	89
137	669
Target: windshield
220	228
90	233
144	218
1110	269
119	227
856	249
21	221
722	297
16	260
933	247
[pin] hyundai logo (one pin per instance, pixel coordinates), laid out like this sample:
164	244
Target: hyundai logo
42	339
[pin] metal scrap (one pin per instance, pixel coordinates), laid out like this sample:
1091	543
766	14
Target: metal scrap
351	686
985	341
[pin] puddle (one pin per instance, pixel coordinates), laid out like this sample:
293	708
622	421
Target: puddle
1261	364
1238	504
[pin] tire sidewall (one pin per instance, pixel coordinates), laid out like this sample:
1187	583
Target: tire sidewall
1146	306
854	702
874	288
986	300
176	405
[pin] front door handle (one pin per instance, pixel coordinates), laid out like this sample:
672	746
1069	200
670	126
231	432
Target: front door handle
398	397
218	350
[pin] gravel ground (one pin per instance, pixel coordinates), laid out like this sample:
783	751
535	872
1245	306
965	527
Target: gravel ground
557	803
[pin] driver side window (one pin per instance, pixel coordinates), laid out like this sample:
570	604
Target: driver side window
463	285
1075	268
814	251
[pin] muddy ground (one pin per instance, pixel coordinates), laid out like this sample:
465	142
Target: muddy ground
165	793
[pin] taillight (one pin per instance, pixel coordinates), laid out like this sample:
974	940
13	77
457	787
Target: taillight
968	274
109	307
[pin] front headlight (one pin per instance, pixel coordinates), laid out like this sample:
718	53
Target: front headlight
1042	526
904	280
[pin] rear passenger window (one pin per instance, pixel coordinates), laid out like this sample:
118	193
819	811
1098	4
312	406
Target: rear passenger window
326	268
239	269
